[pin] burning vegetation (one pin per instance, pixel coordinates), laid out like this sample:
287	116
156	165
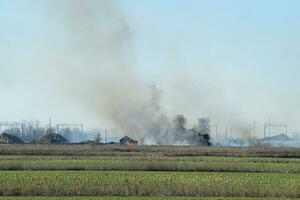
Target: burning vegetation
198	135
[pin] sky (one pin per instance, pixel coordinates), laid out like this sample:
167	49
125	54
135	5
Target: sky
239	58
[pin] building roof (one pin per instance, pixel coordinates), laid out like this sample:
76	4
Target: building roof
127	138
281	138
51	139
9	139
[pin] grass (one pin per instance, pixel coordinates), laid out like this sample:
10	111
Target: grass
208	173
136	198
154	157
74	183
116	150
214	165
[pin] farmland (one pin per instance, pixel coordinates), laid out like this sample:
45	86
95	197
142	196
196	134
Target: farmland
152	163
149	183
134	198
148	172
115	150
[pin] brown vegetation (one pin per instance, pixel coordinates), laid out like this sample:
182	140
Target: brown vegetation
112	150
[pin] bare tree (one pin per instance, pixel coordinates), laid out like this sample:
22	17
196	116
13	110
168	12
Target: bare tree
98	138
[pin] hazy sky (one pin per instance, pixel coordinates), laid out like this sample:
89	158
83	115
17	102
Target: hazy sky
242	56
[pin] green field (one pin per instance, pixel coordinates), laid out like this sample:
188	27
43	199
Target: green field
136	198
149	172
70	183
116	150
151	163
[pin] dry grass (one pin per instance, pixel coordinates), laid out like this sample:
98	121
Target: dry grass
192	164
137	198
145	183
116	150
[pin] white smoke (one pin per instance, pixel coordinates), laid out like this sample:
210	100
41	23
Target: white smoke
84	64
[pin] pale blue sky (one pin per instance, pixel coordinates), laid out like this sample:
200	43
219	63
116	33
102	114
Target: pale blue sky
249	50
260	37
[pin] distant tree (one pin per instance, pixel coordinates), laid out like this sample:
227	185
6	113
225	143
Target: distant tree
142	140
67	133
98	138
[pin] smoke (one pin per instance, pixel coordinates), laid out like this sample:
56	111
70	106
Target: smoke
101	73
85	57
90	62
180	124
96	67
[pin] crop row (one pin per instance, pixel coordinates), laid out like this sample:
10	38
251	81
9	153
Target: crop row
137	198
116	150
155	157
129	165
75	183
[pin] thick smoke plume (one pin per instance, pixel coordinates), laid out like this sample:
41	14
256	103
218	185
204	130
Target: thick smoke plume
98	68
83	59
77	56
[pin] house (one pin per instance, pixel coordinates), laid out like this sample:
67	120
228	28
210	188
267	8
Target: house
277	140
9	139
128	141
280	138
51	139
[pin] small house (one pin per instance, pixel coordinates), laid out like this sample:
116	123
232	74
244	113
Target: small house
277	140
128	141
9	139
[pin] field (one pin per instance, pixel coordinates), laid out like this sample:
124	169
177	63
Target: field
135	198
147	172
151	163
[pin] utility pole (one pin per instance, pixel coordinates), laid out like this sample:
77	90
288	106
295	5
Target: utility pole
226	136
22	129
215	126
265	126
166	136
269	126
254	127
81	126
105	132
50	121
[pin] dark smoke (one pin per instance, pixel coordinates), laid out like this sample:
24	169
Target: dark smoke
198	135
180	124
90	62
